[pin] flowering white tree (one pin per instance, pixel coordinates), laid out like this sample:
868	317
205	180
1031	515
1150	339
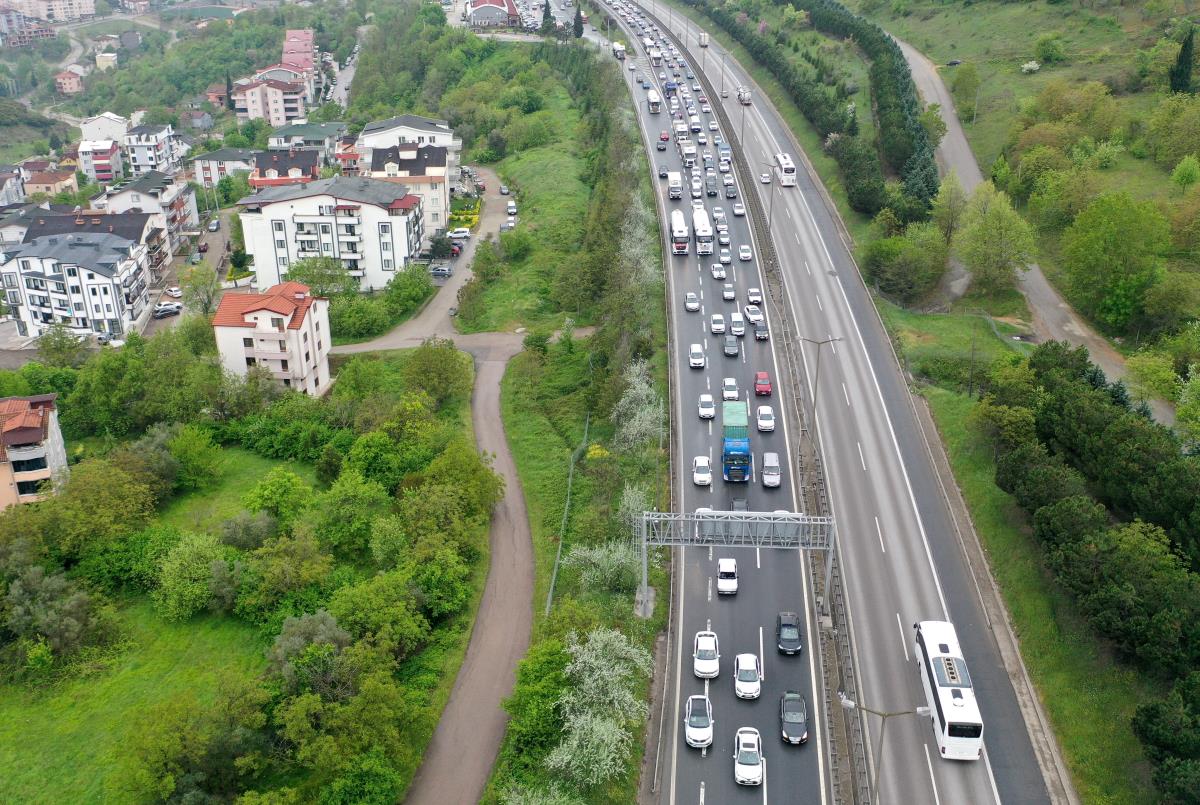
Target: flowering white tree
638	414
635	499
519	795
613	566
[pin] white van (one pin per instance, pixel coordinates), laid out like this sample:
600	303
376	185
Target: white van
694	124
772	474
737	325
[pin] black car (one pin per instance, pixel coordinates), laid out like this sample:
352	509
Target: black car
760	331
732	347
662	171
793	718
787	633
660	145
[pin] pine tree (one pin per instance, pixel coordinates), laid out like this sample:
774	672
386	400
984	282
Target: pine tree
228	92
1181	71
547	17
578	27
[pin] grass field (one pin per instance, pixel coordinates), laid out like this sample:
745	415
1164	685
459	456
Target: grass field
60	745
1088	698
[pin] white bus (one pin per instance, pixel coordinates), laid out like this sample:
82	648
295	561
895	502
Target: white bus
703	230
953	710
785	170
656	57
647	44
653	101
679	233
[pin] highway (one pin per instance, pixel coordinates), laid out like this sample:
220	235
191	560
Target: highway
897	544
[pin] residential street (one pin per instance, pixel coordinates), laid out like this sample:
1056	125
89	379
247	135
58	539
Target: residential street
1053	317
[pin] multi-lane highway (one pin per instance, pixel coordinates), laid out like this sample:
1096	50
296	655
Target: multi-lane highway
900	557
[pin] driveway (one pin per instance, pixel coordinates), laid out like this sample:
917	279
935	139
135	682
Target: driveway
463	749
1053	317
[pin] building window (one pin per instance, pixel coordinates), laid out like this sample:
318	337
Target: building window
281	244
306	358
278	225
283	365
434	217
385	246
325	229
387	264
10	280
79	306
385	229
247	342
249	361
71	272
277	323
93	290
283	261
305	338
104	290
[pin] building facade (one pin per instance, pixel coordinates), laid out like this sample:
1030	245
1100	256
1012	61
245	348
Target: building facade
52	182
277	102
152	148
100	161
68	82
372	226
106	61
493	13
284	330
91	282
422	168
212	167
56	10
157	194
324	136
278	167
404	129
105	126
33	449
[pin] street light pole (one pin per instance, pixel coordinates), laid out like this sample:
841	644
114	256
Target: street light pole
850	704
817	375
742	127
771	202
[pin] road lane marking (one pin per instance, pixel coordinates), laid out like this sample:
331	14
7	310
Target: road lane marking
757	559
819	305
762	658
832	343
933	782
709	601
845	393
903	642
861	460
788	211
879	531
796	235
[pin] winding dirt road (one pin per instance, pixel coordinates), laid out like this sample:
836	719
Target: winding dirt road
460	756
1053	317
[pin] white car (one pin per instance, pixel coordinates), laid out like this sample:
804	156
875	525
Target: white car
723	238
744	253
747	757
747	676
702	138
707	408
698	721
727	581
724	166
706	655
728	293
174	292
462	233
729	389
765	178
754	296
765	419
167	306
725	257
739	209
718	214
706	109
696	359
702	471
718	271
691	302
712	125
753	314
716	324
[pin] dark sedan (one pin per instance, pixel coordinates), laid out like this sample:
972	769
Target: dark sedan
793	718
787	633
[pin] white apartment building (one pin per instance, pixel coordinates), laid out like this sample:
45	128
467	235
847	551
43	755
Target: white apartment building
285	330
421	168
277	102
152	148
105	126
55	10
374	227
90	282
409	129
100	160
214	166
309	135
156	193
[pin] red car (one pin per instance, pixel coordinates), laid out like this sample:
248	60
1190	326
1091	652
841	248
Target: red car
664	136
762	384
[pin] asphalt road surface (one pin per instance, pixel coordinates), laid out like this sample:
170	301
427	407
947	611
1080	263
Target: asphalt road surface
898	548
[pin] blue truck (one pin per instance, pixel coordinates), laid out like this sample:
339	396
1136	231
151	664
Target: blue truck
735	441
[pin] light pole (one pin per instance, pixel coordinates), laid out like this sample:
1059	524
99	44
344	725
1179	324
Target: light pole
771	203
820	342
850	704
722	74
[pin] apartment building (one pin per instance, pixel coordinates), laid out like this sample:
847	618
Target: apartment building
100	160
32	448
144	228
158	194
18	30
373	226
294	166
68	82
152	148
56	10
277	102
323	136
285	330
105	126
210	168
421	168
409	129
12	185
106	61
91	282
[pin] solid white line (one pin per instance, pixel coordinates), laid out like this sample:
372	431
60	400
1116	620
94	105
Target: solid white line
845	393
678	674
933	782
903	642
758	558
764	765
879	531
832	343
861	460
710	589
762	658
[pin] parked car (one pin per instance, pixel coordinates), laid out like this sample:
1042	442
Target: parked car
203	248
462	233
174	292
214	225
175	306
441	270
195	258
504	190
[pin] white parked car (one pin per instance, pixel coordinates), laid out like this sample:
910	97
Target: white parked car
729	389
696	359
765	419
707	408
706	655
727	580
747	757
754	314
744	253
747	676
718	271
716	324
754	296
698	721
739	209
702	471
691	302
462	233
174	292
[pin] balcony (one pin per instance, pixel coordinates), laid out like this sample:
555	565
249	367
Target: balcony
310	219
356	272
33	475
27	452
266	353
352	237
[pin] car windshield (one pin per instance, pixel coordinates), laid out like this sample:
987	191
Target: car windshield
699	717
789	633
747	673
747	756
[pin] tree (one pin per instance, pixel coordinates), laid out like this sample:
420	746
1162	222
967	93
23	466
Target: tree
1050	48
342	516
374	456
228	92
1187	411
949	206
287	564
49	607
577	25
547	18
994	242
1180	76
439	369
382	608
1112	254
295	637
324	276
965	88
370	780
184	574
58	346
1152	376
931	121
197	456
281	493
1186	173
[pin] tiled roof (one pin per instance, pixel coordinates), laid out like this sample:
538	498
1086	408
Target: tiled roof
130	225
281	299
229	155
427	156
24	418
306	159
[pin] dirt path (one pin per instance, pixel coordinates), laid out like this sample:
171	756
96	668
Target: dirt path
460	756
1053	317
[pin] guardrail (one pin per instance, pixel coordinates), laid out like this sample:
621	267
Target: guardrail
847	745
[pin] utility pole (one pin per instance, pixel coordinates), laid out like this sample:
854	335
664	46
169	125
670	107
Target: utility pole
850	704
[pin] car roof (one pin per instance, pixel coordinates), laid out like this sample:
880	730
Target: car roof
761	375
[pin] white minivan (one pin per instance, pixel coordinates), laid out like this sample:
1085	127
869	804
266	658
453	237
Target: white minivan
737	325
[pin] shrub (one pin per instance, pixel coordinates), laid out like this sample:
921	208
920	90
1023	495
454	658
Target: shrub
184	574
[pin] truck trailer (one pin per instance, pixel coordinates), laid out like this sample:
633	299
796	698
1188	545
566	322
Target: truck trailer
674	185
703	39
735	441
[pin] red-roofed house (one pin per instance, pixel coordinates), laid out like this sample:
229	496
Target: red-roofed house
491	13
31	445
284	330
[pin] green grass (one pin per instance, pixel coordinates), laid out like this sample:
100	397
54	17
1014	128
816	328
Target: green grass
62	744
240	470
342	340
1088	698
101	27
